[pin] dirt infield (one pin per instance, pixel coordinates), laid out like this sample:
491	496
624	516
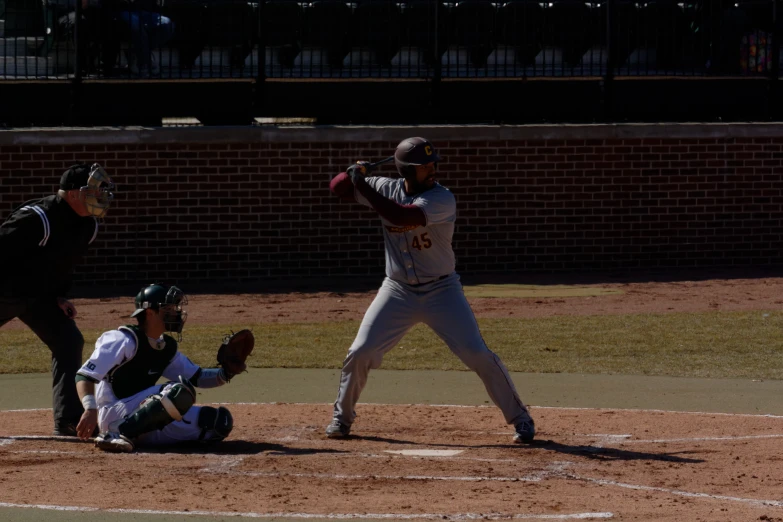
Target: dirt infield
589	464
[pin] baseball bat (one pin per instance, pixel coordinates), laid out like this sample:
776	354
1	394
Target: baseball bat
381	162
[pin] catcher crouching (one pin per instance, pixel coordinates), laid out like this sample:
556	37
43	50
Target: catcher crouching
118	383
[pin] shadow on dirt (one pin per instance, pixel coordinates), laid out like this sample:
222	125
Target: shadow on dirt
236	447
590	452
601	453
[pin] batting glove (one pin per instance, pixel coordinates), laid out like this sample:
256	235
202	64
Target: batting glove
359	170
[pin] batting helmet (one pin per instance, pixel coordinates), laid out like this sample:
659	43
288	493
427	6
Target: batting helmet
411	152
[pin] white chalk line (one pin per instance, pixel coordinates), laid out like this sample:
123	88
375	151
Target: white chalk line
50	452
700	439
136	455
331	516
620	440
603	439
559	470
678	492
563	408
277	454
41	437
338	476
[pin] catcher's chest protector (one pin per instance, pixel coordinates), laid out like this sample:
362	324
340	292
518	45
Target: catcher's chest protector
145	368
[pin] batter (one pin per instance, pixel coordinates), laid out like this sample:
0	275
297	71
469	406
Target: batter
421	285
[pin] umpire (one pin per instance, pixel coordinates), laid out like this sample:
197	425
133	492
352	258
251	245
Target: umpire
41	242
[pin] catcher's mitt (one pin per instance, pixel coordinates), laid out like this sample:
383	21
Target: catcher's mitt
234	351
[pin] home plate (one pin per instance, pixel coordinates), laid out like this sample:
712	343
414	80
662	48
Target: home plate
426	452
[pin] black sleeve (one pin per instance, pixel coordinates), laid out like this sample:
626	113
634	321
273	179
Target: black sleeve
20	237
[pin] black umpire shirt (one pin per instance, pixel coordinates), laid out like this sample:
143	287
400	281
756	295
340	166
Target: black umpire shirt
41	242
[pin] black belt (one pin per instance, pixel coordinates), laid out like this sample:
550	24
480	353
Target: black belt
428	282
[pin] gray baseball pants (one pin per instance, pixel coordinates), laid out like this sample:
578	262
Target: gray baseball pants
442	306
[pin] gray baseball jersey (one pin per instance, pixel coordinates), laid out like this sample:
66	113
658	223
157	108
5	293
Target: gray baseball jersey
417	255
421	286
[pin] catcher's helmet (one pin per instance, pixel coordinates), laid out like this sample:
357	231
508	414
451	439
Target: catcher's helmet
411	152
168	298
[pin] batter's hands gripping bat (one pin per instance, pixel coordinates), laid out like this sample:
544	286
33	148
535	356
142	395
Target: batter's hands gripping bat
363	168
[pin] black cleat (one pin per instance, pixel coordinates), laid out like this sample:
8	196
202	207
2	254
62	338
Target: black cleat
525	431
64	430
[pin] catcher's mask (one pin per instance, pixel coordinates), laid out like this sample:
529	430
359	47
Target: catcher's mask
411	152
94	185
169	301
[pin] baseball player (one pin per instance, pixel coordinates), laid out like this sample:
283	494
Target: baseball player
420	286
41	242
117	385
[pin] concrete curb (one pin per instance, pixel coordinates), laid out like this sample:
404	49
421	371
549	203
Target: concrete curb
364	134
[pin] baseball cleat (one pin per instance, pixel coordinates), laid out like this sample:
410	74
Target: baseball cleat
337	429
525	431
114	442
64	430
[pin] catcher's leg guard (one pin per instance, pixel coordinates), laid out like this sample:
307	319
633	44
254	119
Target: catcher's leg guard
215	423
157	411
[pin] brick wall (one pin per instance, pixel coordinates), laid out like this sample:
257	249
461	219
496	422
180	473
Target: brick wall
245	205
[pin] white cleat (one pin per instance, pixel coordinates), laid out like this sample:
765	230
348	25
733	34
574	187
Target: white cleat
337	430
114	442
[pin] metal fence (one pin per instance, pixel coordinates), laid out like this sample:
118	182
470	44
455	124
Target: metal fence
186	39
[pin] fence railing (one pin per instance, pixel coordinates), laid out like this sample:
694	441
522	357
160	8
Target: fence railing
414	39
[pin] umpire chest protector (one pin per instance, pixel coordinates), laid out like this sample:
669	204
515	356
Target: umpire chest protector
144	368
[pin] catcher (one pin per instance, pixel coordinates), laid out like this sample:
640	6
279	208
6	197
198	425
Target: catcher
127	405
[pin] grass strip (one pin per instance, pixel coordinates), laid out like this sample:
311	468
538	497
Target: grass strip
712	344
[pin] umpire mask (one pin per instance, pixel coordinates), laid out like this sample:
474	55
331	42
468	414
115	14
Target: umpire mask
97	194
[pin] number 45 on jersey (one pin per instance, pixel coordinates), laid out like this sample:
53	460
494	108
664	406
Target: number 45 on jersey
424	242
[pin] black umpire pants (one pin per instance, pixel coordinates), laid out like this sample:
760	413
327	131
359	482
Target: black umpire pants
65	341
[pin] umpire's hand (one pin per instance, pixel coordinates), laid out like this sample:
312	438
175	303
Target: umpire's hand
67	307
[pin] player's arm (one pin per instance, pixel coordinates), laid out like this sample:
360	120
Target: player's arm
199	377
391	211
111	349
401	215
85	387
342	187
209	377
